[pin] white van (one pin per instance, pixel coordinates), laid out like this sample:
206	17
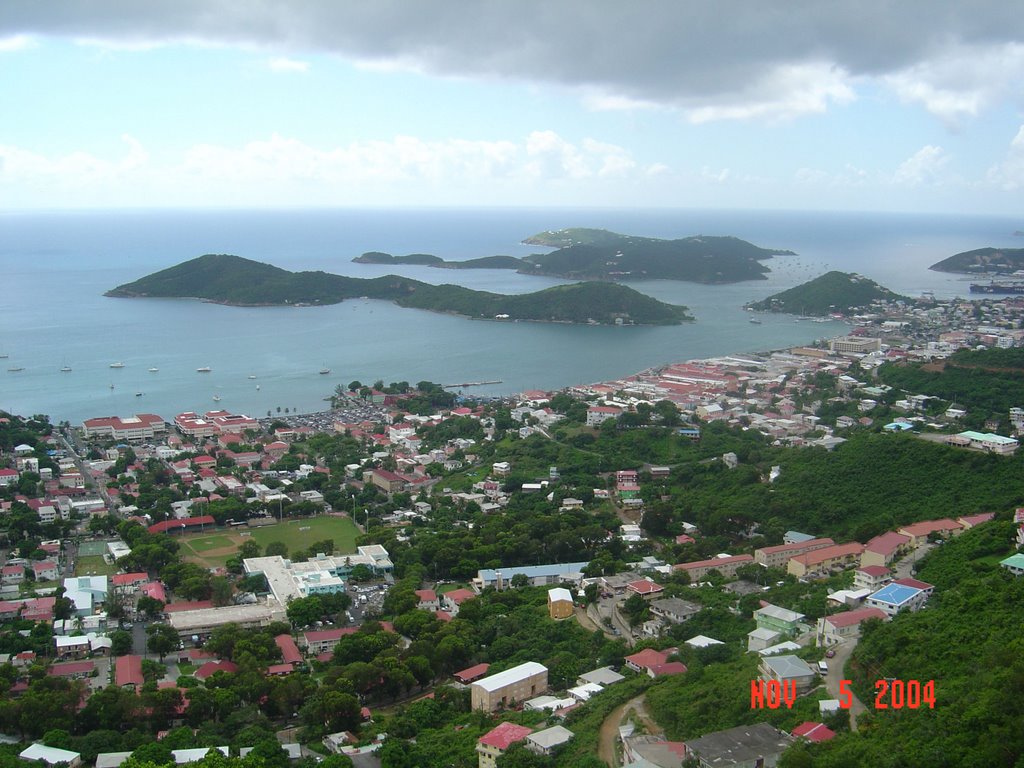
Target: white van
823	667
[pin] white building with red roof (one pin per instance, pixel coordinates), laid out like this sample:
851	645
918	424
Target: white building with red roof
494	743
843	626
646	588
428	600
141	426
8	477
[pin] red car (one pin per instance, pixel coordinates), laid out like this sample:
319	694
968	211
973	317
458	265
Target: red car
829	653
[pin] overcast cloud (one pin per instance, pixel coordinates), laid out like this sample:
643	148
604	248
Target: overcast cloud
713	60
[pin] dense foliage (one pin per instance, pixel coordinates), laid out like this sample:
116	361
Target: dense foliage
983	260
832	292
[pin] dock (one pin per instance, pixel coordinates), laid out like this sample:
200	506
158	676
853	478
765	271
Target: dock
471	384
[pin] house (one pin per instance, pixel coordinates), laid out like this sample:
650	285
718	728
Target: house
12	574
472	674
536	575
560	603
47	570
969	521
128	583
726	566
883	549
655	663
212	667
745	746
919	532
72	670
289	650
599	414
785	622
547	741
842	626
512	686
495	742
814	732
674	610
778	556
450	601
871	577
603	676
650	751
761	638
897	597
1014	564
428	600
646	588
788	668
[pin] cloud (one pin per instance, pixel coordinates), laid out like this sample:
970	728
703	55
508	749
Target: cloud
1009	174
711	59
924	167
286	65
16	43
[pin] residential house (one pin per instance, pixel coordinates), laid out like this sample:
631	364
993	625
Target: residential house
1014	564
428	600
778	556
451	601
496	742
884	549
787	623
969	521
674	610
726	566
897	597
871	577
655	663
128	672
843	626
37	753
646	588
545	742
824	560
919	532
472	674
746	746
788	668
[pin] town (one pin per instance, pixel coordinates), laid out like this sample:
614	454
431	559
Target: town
589	577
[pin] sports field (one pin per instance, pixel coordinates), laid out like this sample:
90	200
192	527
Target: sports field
93	565
211	550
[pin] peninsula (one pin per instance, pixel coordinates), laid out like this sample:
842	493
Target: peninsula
426	259
233	280
597	254
1001	261
832	293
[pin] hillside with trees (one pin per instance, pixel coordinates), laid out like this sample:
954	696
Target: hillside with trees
983	260
831	293
227	279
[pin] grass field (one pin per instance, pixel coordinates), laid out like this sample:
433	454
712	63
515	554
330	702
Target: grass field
213	550
94	565
92	548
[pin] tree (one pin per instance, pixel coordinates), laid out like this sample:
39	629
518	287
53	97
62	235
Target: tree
120	642
249	549
163	639
220	591
149	606
304	611
276	548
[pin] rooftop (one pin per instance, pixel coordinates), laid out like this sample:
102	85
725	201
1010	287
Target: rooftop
509	676
505	735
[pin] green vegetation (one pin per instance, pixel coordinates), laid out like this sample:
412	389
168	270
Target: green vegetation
602	255
986	382
999	260
234	280
94	566
968	641
484	262
842	292
377	257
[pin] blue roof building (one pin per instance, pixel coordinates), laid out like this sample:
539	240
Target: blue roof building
894	598
538	575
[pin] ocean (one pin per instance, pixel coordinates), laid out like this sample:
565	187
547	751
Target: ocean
56	266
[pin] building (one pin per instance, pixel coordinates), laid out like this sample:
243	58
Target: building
788	668
495	742
128	672
778	556
547	741
813	732
560	604
51	755
985	441
323	574
854	345
202	621
513	686
883	549
969	521
603	676
782	620
451	601
674	610
289	650
746	746
646	588
1014	564
823	560
536	575
843	626
472	674
141	426
655	663
918	533
724	565
599	414
428	600
872	577
897	597
387	481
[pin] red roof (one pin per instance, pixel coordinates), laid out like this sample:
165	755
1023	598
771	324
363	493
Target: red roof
459	596
505	735
188	522
443	615
850	618
124	579
280	669
668	668
649	657
813	731
644	587
188	605
714	561
215	666
887	543
426	595
71	668
931	526
973	520
909	582
128	671
875	571
154	590
289	650
473	673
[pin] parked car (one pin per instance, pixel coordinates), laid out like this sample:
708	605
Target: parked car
830	653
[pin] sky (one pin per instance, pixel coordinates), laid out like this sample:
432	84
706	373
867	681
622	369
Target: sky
805	105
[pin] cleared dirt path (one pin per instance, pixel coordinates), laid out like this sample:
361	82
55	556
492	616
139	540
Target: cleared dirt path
610	727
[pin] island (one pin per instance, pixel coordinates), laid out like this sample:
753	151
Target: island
233	280
597	254
378	257
1000	261
426	259
834	292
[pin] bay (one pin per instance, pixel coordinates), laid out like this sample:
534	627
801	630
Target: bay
55	266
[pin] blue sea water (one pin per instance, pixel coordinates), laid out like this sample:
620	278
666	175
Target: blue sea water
55	267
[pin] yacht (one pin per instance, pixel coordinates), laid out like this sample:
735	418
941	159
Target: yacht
138	394
324	371
204	369
252	376
216	398
118	364
257	387
66	369
15	370
153	370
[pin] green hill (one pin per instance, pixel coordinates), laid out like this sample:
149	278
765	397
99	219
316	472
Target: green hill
842	292
378	257
485	262
597	254
988	260
234	280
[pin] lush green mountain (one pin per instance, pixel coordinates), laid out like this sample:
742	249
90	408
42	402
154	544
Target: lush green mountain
998	260
602	255
485	262
378	257
842	292
233	280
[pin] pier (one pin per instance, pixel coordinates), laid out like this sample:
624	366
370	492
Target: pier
471	384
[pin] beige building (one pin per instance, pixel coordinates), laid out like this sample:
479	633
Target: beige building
513	686
724	565
778	556
560	605
824	560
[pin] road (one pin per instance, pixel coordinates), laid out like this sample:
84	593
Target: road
609	734
836	666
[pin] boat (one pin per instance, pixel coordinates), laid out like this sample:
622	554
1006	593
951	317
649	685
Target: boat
204	369
153	370
111	386
257	387
66	369
754	321
118	364
216	398
15	370
138	394
324	371
252	376
996	286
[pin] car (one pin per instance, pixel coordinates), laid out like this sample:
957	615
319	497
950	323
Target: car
830	653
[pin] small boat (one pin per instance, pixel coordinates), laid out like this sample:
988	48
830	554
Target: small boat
324	371
66	369
138	394
204	369
153	370
257	387
216	398
754	321
15	370
111	386
252	376
118	364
